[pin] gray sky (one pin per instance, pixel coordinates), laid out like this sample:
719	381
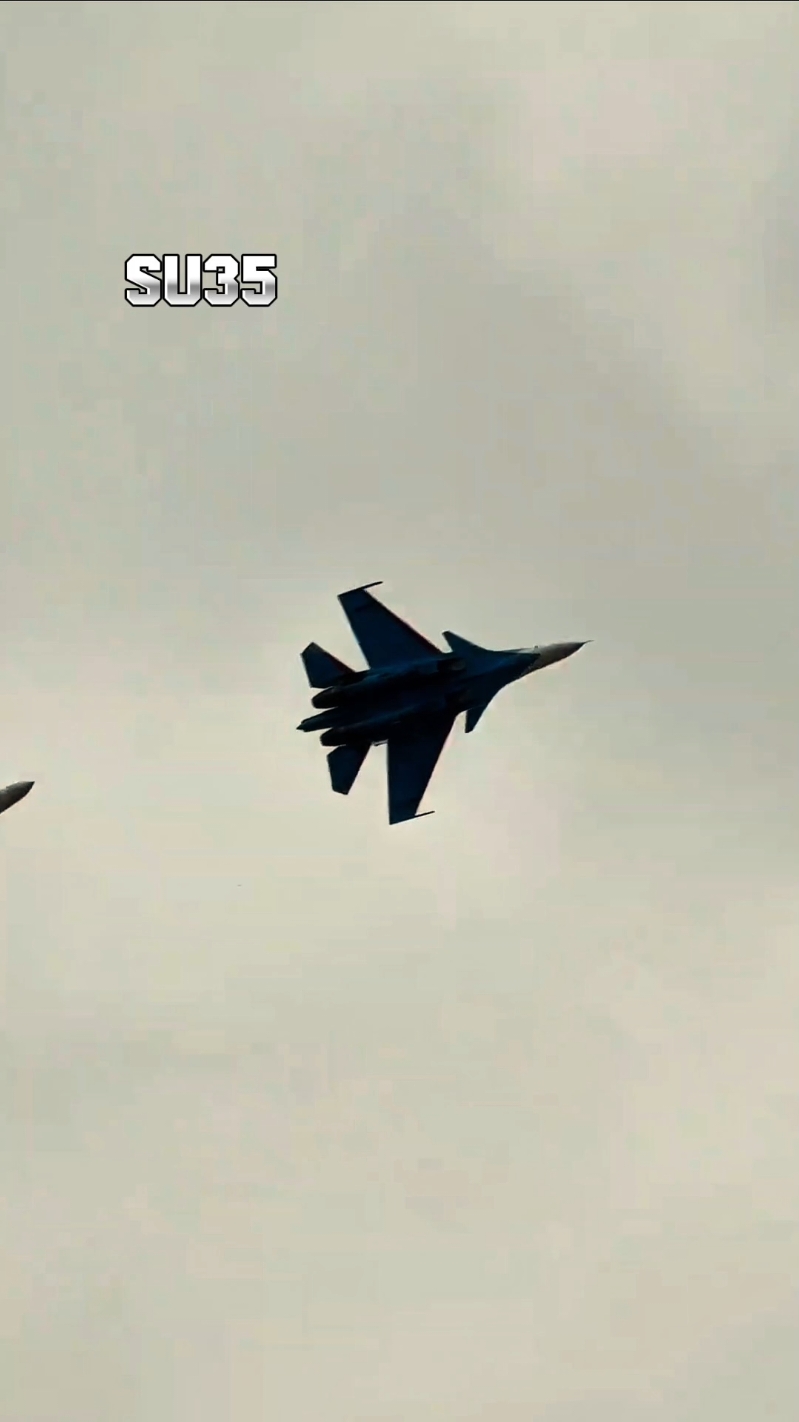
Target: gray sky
490	1119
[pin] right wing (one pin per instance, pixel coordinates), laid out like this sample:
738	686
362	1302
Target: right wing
412	758
383	637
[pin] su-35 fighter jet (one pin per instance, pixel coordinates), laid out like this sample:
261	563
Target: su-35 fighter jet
408	699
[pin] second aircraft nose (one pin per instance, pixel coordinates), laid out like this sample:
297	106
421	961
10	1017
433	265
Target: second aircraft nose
12	794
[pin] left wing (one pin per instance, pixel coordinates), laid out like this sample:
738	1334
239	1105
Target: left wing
412	758
383	637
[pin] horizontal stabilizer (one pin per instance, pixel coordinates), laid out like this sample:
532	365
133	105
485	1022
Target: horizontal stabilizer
344	763
322	668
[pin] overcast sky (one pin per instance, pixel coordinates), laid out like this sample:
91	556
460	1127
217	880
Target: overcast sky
489	1119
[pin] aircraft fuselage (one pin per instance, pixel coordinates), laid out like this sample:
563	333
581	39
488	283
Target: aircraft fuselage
364	686
383	700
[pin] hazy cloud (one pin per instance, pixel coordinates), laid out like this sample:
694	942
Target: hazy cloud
491	1118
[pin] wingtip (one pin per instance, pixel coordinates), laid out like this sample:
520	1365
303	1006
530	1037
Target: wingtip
363	588
406	819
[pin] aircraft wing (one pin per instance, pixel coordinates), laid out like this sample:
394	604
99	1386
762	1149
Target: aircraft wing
383	637
412	758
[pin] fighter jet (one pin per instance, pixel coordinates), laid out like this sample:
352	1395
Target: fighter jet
408	699
12	793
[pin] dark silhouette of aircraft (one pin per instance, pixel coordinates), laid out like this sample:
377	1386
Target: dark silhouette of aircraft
407	699
12	793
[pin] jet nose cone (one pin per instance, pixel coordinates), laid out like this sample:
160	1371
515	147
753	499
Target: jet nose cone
557	652
13	793
561	650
